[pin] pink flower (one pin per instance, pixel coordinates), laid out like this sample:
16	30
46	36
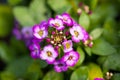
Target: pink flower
49	54
39	32
65	17
60	66
35	50
67	46
71	58
77	33
56	23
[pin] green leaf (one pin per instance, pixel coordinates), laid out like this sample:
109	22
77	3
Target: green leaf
109	32
43	64
34	71
6	20
37	10
93	4
7	76
18	46
19	67
96	33
112	62
116	76
52	75
82	56
80	74
23	16
84	20
6	53
64	9
101	60
88	50
103	48
94	71
14	2
101	13
57	5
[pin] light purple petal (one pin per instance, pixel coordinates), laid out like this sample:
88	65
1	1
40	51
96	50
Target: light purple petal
60	25
34	46
71	58
67	19
44	24
49	58
43	55
70	62
67	46
60	66
27	32
80	34
35	50
77	40
17	33
51	22
59	17
57	69
36	28
56	23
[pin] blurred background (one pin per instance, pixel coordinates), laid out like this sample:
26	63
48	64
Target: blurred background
101	19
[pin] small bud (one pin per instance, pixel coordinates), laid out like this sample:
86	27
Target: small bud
56	47
91	44
86	8
90	12
67	33
61	32
79	11
48	40
59	45
52	42
51	36
80	4
53	32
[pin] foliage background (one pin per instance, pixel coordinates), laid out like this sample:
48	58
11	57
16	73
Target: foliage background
103	24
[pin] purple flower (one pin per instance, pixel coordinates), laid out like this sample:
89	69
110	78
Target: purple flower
27	32
67	46
71	58
34	40
56	23
77	33
39	32
17	33
35	50
49	54
60	66
44	24
65	17
98	79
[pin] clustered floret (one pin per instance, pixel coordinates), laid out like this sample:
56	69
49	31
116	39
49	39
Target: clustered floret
59	33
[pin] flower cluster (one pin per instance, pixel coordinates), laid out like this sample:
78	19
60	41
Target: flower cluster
59	33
